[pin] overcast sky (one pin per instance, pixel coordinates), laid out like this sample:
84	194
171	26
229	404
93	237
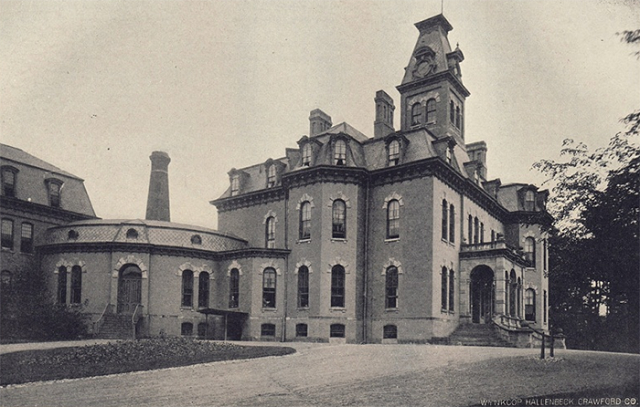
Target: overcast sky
95	86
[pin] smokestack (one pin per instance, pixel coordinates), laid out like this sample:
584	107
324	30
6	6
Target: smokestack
158	199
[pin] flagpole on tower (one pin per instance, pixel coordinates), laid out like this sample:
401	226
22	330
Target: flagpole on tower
441	6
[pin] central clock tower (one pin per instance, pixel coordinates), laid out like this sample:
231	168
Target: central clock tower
432	93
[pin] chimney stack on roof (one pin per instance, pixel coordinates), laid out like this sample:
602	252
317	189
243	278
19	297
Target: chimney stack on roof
319	122
158	198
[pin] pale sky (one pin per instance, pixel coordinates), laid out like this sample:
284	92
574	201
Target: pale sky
95	86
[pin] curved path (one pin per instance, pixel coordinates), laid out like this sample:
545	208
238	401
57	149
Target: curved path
318	374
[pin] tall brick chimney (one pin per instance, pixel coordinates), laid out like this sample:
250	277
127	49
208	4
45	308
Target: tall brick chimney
158	199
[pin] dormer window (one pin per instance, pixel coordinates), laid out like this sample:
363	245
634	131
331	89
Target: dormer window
529	201
431	111
235	185
306	155
54	187
196	239
73	235
394	153
416	114
132	234
340	153
9	181
271	176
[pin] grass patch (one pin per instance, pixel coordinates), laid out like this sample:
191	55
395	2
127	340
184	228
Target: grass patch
122	357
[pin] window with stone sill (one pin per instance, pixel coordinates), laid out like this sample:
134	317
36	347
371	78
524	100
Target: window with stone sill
339	219
269	288
303	287
76	285
337	286
393	219
270	233
234	288
301	330
203	290
452	223
336	331
391	288
187	288
530	305
305	221
445	219
7	234
530	250
451	290
444	288
416	114
431	111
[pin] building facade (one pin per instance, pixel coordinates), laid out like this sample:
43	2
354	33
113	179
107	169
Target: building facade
398	238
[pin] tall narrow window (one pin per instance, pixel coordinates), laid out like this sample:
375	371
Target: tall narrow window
530	305
470	229
340	153
391	288
544	307
54	193
306	155
431	111
452	224
235	185
449	155
234	288
76	285
481	232
270	233
458	119
444	290
7	234
394	153
445	219
416	114
305	220
493	236
530	250
269	288
476	230
303	287
452	112
187	288
203	290
337	286
529	201
544	254
339	219
271	176
452	290
9	182
393	219
62	285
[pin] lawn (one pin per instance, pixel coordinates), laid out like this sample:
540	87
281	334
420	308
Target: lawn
121	357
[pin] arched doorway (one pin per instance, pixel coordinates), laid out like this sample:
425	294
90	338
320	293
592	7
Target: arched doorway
482	294
129	288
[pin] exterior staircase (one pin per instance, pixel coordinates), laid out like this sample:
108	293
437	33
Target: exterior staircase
477	335
116	326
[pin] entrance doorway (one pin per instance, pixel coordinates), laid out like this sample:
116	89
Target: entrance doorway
482	294
129	289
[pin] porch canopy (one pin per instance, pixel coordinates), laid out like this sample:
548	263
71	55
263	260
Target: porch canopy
235	315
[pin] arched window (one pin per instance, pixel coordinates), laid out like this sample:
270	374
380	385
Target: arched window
301	330
391	288
431	111
445	219
306	155
394	153
452	223
529	201
339	219
303	287
452	290
132	234
186	329
444	289
9	181
187	288
234	288
6	280
7	234
269	288
390	332
305	220
271	176
26	238
393	219
340	153
336	331
267	330
62	285
270	232
416	114
530	305
76	285
530	250
337	286
203	290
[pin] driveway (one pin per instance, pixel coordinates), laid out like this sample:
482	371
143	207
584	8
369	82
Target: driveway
318	374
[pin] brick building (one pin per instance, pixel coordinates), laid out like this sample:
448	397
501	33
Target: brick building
399	237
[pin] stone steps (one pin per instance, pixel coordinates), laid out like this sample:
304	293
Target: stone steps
116	327
477	335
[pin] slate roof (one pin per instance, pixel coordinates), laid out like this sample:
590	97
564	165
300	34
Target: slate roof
20	156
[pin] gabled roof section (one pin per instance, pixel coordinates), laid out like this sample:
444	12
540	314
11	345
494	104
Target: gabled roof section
17	155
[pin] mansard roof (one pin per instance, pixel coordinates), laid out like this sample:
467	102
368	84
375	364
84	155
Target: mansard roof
19	156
